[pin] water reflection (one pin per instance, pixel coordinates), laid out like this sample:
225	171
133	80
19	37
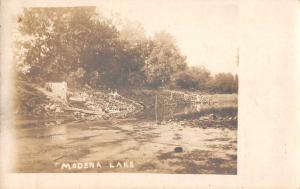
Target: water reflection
166	112
44	129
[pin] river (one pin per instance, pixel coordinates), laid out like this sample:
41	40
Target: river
130	145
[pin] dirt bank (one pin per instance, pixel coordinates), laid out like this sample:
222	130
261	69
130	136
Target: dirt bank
88	104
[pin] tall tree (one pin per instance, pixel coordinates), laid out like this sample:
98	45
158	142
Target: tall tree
164	60
58	40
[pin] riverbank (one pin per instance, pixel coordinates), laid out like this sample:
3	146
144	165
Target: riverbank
163	106
82	104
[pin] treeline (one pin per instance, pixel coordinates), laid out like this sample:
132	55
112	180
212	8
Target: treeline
199	78
81	47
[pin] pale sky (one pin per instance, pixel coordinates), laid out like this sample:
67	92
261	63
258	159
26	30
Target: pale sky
206	30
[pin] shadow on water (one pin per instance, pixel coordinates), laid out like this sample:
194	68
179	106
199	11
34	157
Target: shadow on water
167	112
216	111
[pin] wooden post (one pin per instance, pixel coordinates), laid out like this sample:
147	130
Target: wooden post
156	108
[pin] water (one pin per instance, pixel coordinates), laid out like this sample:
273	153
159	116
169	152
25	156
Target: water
46	145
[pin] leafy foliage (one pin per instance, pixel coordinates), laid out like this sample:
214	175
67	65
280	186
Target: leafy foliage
164	60
79	46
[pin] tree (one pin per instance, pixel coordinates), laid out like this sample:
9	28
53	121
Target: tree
131	31
164	60
59	40
79	46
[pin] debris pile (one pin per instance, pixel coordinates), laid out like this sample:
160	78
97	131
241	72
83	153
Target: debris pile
100	105
82	104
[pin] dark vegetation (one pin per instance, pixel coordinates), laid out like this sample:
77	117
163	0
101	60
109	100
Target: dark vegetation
81	47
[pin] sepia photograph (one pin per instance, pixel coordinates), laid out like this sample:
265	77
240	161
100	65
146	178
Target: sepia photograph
122	87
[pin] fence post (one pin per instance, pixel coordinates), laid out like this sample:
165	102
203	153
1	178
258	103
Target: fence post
156	108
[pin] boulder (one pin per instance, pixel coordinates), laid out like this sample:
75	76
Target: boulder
178	149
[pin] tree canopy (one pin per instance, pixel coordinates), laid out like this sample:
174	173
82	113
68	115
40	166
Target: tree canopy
79	46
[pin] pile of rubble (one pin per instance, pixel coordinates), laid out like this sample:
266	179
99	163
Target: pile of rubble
99	105
83	104
39	107
53	107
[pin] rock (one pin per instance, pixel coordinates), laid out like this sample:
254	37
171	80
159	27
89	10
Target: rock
212	116
52	107
76	114
58	110
203	118
91	118
46	107
77	99
89	103
38	111
178	149
58	122
88	86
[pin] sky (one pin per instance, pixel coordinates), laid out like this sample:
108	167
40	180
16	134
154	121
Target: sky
206	31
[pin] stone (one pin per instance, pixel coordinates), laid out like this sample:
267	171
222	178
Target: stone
58	110
77	99
212	116
52	107
178	149
203	118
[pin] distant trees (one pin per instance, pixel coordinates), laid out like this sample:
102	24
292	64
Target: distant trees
224	83
192	78
199	78
79	46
